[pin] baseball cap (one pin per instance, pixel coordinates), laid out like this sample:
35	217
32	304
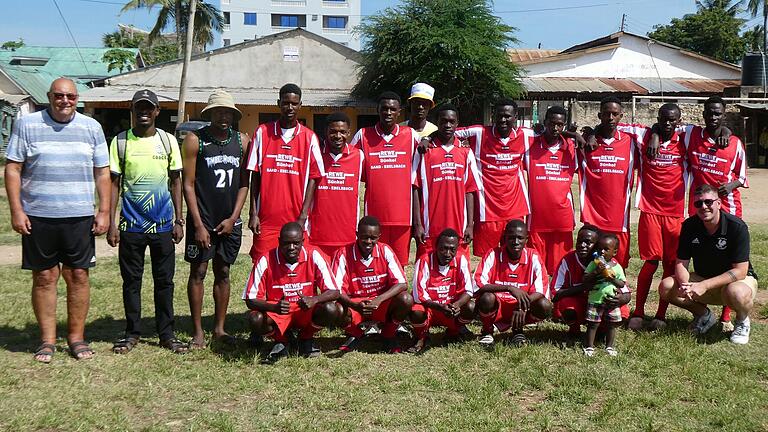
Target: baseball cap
423	91
145	95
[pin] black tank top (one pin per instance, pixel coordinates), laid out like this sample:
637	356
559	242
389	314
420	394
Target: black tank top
217	177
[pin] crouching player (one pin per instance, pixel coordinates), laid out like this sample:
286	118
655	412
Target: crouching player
511	286
291	288
373	287
442	290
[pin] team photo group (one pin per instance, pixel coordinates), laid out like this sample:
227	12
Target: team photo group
321	258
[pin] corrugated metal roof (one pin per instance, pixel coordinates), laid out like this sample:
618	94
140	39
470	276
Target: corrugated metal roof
640	86
242	96
666	85
521	55
11	98
754	106
62	61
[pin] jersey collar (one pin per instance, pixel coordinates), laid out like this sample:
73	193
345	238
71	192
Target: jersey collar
436	264
503	257
705	136
296	131
512	133
302	256
344	150
375	253
395	130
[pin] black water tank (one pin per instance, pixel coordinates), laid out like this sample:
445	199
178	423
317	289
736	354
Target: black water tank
753	70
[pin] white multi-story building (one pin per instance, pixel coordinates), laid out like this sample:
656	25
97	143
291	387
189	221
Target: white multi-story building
251	19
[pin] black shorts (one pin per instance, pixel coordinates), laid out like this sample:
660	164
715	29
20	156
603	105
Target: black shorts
227	247
68	241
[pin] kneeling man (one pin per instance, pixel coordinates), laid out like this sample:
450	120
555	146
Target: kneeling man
291	288
718	243
373	287
511	286
442	290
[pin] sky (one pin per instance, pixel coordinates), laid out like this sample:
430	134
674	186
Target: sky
556	24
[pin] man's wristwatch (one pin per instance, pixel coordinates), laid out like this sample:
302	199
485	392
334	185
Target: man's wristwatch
179	222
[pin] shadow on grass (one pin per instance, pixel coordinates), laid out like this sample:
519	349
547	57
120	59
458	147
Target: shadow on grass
108	329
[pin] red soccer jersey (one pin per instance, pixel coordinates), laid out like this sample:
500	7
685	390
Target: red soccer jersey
527	273
712	165
501	191
444	176
550	174
360	277
272	278
606	176
569	273
441	284
662	180
286	164
335	209
387	172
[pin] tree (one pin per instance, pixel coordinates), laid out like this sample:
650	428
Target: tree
713	30
159	51
120	59
755	7
12	45
208	19
457	46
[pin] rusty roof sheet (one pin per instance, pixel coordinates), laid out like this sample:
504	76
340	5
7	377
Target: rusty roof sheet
521	55
640	86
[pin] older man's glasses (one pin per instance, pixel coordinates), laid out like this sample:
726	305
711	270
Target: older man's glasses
61	96
704	202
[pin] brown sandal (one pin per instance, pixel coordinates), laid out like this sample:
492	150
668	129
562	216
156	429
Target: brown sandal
79	349
45	349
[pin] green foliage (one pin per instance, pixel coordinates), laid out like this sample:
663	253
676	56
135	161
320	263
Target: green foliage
120	59
713	30
208	19
12	45
159	51
457	46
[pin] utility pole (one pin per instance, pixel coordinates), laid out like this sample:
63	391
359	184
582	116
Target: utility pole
180	116
623	17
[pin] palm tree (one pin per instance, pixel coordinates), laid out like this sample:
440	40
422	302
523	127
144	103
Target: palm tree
754	7
208	19
732	8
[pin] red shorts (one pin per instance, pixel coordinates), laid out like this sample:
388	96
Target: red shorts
578	304
503	314
487	235
429	247
657	237
378	316
551	246
264	242
398	237
622	256
296	318
435	319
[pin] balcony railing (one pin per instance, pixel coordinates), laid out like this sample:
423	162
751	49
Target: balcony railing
293	3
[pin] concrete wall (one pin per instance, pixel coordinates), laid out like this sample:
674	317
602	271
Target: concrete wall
258	65
585	114
314	10
632	60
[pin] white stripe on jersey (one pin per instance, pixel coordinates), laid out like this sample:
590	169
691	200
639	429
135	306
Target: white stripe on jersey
253	285
322	265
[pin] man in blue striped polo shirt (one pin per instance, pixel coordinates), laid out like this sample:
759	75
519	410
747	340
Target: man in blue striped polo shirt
54	157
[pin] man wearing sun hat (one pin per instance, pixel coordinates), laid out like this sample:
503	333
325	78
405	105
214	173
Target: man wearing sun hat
145	163
215	189
420	102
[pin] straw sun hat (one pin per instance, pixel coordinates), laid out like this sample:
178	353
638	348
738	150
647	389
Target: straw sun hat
220	99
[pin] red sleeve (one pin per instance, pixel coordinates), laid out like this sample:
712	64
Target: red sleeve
323	278
316	166
339	270
471	173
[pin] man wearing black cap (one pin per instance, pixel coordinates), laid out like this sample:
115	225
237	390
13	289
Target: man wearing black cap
142	161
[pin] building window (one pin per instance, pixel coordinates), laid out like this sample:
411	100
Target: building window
249	18
226	17
334	22
226	42
279	20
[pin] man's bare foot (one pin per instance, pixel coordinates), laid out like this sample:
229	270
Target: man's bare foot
197	342
80	350
224	338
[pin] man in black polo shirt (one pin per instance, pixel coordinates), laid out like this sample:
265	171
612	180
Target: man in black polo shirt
718	243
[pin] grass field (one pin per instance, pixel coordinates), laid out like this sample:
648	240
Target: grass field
661	382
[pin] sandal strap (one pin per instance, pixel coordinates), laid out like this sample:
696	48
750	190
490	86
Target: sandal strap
44	348
80	347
